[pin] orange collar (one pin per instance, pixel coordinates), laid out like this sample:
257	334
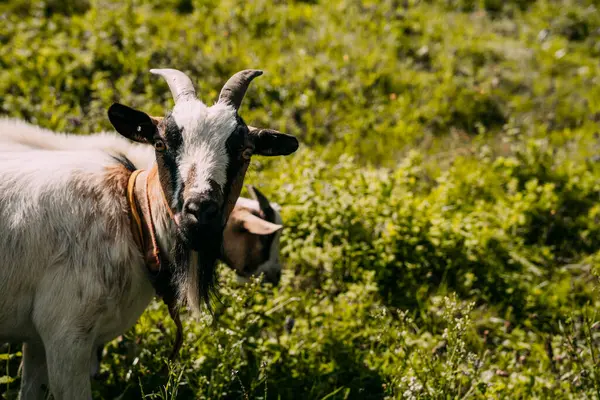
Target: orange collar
137	221
150	251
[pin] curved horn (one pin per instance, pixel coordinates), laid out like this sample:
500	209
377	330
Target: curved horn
180	84
235	88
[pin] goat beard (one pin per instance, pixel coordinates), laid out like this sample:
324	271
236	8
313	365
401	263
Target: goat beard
194	277
191	278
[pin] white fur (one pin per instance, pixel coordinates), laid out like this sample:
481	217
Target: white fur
17	135
40	285
205	131
71	275
68	281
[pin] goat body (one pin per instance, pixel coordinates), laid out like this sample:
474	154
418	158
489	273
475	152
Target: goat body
18	135
71	276
75	166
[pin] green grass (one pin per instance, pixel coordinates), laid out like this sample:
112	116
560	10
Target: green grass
442	215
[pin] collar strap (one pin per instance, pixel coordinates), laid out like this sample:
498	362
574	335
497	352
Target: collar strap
150	251
138	233
153	261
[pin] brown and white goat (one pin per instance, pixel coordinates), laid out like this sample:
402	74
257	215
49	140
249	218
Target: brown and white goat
87	241
251	236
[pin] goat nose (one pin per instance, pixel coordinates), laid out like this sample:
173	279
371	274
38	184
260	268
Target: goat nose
203	211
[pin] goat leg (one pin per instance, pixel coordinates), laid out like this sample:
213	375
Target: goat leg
69	358
35	372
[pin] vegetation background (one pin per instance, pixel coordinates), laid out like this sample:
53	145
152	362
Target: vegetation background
442	215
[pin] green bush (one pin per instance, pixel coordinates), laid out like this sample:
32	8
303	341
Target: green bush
399	71
442	217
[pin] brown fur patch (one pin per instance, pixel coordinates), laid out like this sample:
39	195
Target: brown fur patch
155	191
243	251
154	196
115	186
116	179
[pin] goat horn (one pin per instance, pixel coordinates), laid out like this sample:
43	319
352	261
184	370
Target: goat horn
235	88
180	84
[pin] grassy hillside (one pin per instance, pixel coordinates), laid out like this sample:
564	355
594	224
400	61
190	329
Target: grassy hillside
442	216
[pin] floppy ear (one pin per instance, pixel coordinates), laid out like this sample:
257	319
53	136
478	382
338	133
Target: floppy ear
269	142
258	226
133	124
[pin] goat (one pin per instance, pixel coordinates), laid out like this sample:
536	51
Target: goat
88	239
251	236
249	249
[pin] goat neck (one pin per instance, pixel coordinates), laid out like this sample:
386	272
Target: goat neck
142	189
142	219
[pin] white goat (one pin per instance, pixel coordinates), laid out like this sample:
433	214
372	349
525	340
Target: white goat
87	241
251	237
253	230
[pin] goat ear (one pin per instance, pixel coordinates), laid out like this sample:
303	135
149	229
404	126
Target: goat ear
263	202
133	124
156	120
259	226
269	142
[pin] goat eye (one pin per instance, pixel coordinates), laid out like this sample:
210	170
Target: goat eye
159	145
247	154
